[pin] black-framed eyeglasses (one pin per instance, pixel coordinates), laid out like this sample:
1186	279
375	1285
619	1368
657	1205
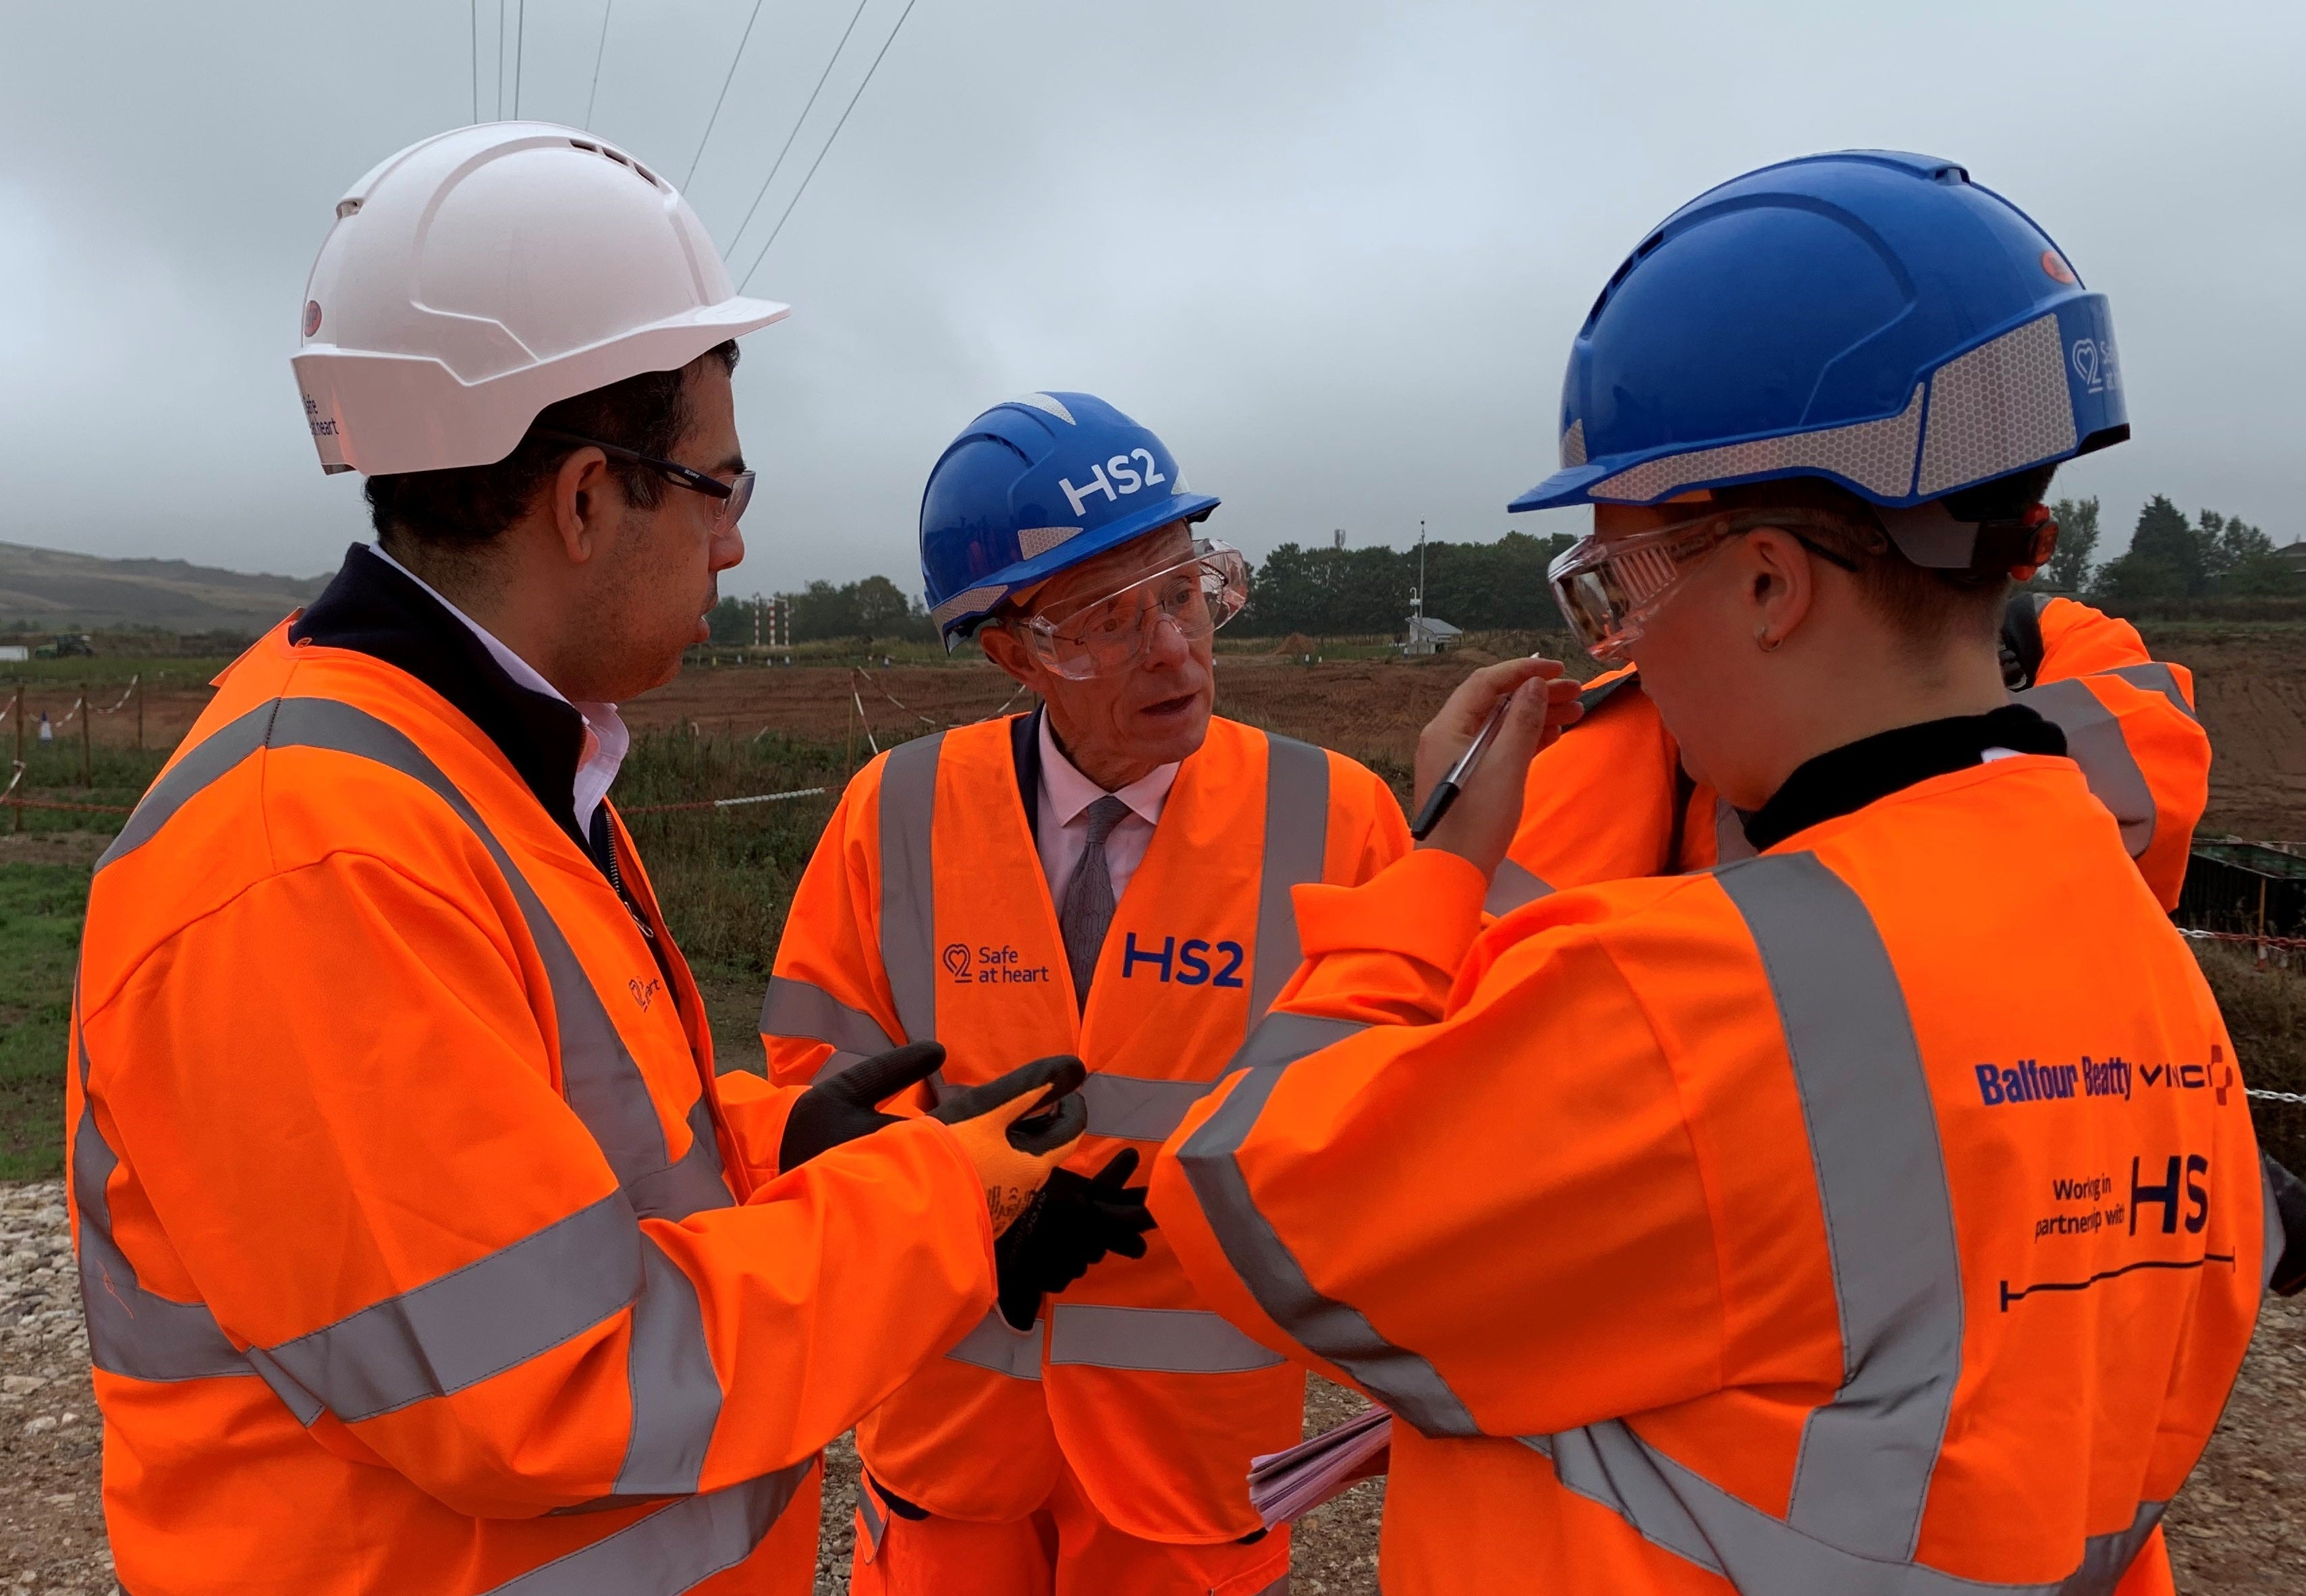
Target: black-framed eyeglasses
733	496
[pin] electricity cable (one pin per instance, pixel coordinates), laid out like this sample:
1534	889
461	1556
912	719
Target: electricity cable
828	143
499	106
777	165
717	104
519	54
599	50
475	19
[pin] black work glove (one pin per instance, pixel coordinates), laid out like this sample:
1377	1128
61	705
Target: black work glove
1063	1117
2289	1275
846	1107
1071	1224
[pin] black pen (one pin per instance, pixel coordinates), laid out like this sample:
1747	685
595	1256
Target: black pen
1445	791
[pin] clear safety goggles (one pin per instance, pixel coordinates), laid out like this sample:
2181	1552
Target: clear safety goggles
1609	588
1104	636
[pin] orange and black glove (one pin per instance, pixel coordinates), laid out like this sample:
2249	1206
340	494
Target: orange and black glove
847	1106
1076	1222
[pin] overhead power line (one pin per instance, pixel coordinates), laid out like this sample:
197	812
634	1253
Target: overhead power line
599	50
499	105
519	53
822	153
476	59
725	81
777	165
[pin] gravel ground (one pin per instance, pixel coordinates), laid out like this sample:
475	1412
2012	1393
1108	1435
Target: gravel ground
2238	1527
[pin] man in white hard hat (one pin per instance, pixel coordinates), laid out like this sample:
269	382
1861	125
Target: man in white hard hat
421	1251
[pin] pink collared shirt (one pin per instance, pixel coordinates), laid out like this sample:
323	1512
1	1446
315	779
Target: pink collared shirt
1063	826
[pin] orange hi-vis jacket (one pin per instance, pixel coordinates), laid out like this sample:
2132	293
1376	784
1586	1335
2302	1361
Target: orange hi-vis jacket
419	1252
925	914
1767	1229
1610	800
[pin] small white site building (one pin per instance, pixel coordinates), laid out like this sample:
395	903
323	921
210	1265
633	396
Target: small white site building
1428	636
12	651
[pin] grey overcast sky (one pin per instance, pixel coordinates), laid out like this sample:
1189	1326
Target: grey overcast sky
1333	252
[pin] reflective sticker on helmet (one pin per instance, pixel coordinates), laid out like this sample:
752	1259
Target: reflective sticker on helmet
311	317
2054	264
1045	403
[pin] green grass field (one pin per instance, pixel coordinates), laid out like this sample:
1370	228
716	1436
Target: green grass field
40	910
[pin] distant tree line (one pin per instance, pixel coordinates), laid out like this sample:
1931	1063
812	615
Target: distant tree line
1338	591
873	610
1333	591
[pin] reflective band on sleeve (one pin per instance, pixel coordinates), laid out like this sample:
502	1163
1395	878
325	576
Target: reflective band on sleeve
992	1345
1731	843
690	1184
1136	1109
2157	678
908	883
876	1523
2094	741
1513	885
673	1550
1868	1455
131	1331
477	1321
1398	1378
1284	1038
1296	842
676	1394
1694	1518
804	1009
217	754
1157	1340
834	1064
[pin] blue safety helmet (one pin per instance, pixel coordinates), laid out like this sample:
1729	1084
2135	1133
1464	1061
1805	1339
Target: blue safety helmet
1868	317
1033	487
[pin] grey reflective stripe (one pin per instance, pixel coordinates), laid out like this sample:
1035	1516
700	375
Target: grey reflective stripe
835	1065
877	1523
1136	1109
1398	1378
2094	741
676	1394
908	883
2157	678
1868	1455
690	1184
1160	1340
493	1314
992	1345
1279	1587
1513	885
804	1009
1731	843
217	753
1694	1518
598	1075
1297	840
1284	1038
131	1331
675	1549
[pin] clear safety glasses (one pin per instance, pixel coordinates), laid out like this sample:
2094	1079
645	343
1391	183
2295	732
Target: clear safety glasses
734	496
1103	636
1609	588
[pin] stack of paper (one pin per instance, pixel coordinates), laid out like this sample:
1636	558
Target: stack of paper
1287	1485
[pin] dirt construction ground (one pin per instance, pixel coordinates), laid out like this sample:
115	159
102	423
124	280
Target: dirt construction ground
2239	1526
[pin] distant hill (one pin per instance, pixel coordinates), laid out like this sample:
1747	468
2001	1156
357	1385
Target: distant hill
48	590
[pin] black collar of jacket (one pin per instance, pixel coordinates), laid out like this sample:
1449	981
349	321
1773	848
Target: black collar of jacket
1845	780
371	609
1025	753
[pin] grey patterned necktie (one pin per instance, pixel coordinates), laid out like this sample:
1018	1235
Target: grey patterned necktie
1088	908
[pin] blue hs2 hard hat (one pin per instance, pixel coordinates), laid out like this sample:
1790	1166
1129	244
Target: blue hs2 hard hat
1869	317
1033	487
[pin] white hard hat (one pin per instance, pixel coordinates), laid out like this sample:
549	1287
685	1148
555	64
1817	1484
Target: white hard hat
482	275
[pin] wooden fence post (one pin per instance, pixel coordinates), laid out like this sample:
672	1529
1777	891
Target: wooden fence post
86	761
17	810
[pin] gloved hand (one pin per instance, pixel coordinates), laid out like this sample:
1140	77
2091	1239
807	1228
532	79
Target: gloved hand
1018	1129
844	1107
1074	1224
